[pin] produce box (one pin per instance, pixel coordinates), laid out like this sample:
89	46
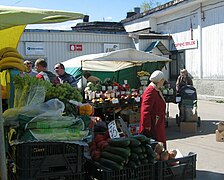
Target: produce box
95	171
132	117
176	169
35	160
188	127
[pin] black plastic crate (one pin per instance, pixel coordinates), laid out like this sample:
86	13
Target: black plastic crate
176	169
95	171
52	176
42	159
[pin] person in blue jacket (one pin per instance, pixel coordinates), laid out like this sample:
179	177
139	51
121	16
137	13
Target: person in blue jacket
63	76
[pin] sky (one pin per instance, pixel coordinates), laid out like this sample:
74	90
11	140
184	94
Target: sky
98	10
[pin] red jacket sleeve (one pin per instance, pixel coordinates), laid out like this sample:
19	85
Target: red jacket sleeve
148	100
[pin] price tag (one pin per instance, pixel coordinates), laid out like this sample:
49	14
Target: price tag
115	101
137	99
113	132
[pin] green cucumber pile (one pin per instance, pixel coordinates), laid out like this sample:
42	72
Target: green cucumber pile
129	152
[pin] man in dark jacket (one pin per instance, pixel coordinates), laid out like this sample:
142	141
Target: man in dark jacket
43	73
63	76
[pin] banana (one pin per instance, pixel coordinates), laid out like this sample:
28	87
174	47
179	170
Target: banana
19	66
9	60
7	49
12	54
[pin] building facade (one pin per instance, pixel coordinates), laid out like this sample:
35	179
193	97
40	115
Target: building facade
196	30
190	32
57	46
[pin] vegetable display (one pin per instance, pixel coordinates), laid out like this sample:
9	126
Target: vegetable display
29	90
65	92
116	154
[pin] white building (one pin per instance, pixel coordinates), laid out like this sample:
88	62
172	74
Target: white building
197	43
56	46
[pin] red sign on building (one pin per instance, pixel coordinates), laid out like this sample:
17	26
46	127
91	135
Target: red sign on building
75	47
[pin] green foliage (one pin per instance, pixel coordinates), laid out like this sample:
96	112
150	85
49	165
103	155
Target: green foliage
149	4
29	90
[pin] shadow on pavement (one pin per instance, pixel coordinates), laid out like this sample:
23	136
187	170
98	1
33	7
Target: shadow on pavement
173	131
206	175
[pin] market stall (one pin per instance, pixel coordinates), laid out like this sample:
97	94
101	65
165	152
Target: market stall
13	21
117	65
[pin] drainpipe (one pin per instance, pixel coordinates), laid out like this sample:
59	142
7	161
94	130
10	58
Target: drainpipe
3	170
200	42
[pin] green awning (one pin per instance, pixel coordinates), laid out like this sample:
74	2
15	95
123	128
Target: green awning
160	46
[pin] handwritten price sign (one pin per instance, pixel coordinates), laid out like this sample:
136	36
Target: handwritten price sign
113	132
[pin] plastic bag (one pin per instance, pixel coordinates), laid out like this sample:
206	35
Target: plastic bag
36	96
56	128
49	108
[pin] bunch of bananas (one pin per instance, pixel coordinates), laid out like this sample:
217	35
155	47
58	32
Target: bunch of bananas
143	73
10	58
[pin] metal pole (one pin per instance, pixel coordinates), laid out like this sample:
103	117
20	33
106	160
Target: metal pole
3	169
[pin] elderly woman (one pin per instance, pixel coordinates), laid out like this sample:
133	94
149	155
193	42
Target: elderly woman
153	108
183	80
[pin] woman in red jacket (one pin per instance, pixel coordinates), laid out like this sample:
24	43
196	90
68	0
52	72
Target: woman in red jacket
153	108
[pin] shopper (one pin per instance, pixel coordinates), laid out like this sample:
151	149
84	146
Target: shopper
63	76
29	71
91	78
183	80
153	108
43	73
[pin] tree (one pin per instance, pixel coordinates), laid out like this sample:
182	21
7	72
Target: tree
147	5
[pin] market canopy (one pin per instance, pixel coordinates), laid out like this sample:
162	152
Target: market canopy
13	21
113	61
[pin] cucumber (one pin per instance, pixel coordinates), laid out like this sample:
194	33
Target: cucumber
149	151
134	142
144	161
110	164
140	137
134	156
124	152
138	163
132	164
141	156
143	148
119	142
117	158
137	150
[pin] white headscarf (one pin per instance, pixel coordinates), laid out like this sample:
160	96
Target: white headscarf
156	76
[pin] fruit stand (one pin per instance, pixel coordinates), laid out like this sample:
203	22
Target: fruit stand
11	29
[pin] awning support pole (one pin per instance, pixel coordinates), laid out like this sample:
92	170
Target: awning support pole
3	169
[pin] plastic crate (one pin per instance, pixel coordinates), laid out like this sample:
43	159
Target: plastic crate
176	169
44	159
95	171
52	176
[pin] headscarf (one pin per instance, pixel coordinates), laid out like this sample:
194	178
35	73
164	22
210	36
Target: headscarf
156	76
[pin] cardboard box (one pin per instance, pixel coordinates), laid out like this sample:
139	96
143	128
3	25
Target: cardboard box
188	127
219	136
132	118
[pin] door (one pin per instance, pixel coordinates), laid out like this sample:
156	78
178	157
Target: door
178	63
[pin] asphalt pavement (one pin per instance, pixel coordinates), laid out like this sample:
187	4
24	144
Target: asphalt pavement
210	153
